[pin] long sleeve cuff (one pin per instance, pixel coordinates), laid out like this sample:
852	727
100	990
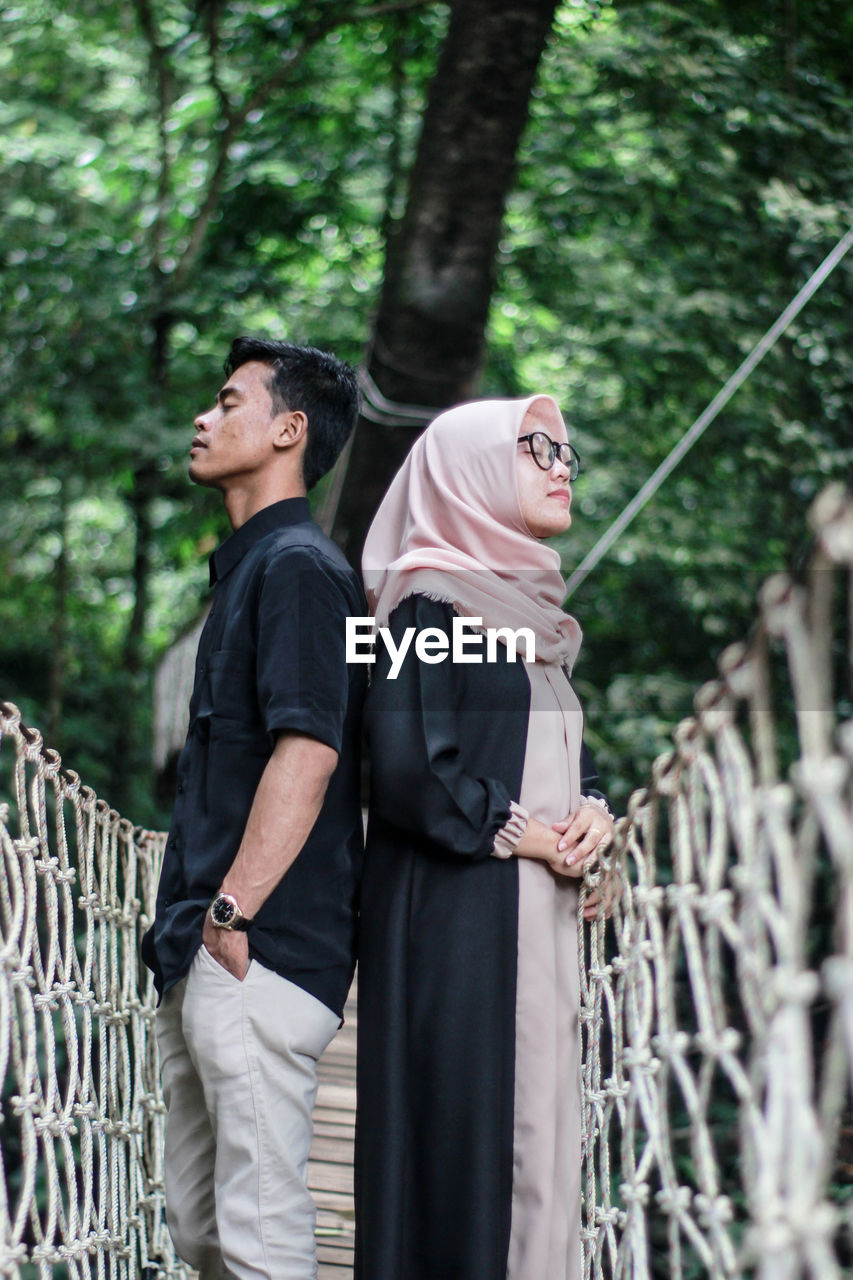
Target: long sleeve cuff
512	831
600	801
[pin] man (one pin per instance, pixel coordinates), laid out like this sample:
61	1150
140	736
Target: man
252	945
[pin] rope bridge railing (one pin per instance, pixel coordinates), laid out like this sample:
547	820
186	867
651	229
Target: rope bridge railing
717	1005
82	1123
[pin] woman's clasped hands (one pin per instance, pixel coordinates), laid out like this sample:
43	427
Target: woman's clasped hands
583	835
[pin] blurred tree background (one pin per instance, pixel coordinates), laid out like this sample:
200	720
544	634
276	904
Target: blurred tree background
176	173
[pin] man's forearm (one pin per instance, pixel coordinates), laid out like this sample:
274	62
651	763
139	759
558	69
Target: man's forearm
287	802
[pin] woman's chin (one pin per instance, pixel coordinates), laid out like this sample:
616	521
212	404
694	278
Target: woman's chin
557	524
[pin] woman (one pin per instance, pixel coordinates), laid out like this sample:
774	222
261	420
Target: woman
468	1148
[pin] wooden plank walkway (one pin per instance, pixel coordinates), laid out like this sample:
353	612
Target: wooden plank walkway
330	1167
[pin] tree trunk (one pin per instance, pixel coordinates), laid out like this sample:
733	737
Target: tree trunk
439	274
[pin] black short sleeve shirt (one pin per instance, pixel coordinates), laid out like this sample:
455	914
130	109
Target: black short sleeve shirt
271	659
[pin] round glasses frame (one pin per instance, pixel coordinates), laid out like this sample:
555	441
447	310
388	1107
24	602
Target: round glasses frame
544	451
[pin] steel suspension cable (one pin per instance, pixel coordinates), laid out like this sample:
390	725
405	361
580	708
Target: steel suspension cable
721	399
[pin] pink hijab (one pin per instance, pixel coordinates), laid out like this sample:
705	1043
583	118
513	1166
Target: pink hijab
450	527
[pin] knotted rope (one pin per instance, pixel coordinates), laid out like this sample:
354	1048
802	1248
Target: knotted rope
724	984
83	1115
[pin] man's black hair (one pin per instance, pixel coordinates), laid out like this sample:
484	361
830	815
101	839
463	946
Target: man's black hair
323	387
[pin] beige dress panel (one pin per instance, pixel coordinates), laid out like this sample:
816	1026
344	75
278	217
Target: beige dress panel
546	1195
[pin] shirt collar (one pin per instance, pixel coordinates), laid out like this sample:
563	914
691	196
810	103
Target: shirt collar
231	551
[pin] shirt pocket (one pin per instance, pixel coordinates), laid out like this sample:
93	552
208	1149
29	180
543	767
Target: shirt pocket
232	696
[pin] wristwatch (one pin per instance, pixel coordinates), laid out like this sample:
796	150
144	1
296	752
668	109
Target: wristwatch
226	914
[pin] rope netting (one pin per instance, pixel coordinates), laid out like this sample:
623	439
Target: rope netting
717	1004
82	1125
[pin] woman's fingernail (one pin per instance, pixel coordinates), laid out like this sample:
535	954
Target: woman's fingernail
561	846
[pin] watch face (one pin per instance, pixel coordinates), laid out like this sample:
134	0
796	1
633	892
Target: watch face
223	910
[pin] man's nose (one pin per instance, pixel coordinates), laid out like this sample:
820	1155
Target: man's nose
200	422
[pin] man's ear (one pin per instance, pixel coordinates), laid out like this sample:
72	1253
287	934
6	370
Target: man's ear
291	428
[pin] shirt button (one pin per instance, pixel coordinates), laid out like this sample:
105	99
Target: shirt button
180	787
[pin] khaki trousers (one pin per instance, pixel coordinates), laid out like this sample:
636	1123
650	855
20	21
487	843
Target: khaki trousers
238	1062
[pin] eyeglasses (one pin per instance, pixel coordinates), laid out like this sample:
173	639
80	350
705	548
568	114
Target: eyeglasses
545	450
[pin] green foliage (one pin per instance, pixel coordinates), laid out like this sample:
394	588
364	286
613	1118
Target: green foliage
176	173
686	168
